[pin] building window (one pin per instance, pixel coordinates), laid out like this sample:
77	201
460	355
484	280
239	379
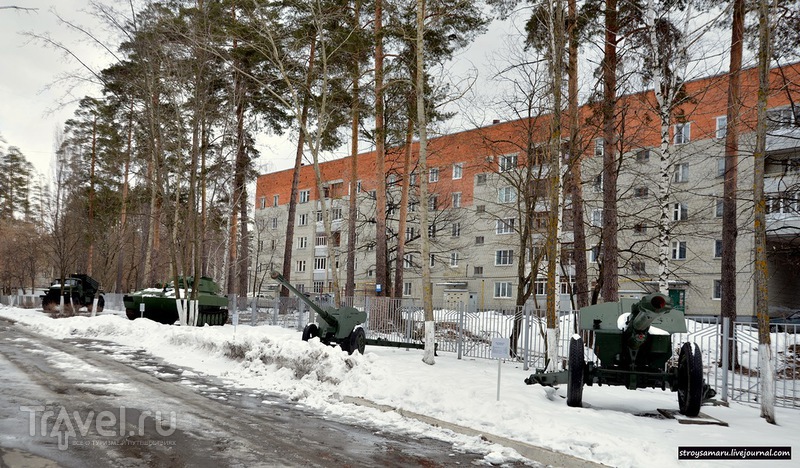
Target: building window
302	220
679	250
681	173
433	174
433	202
680	212
370	272
717	248
480	208
274	223
321	240
597	183
412	179
722	127
479	240
718	207
457	200
643	155
721	167
504	257
408	261
507	163
453	259
504	226
506	195
598	147
262	202
275	199
319	216
432	231
639	228
358	186
594	254
302	242
783	117
682	133
716	292
432	260
305	196
320	263
597	217
412	207
640	192
411	233
458	170
502	289
391	180
318	286
637	268
477	271
480	179
456	230
300	287
406	288
273	244
337	213
539	288
300	266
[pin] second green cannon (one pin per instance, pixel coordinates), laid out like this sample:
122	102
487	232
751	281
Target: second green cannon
334	325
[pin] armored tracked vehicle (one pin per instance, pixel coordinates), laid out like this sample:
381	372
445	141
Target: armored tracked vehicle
160	304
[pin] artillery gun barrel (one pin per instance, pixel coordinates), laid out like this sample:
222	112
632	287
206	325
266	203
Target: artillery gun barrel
645	311
332	321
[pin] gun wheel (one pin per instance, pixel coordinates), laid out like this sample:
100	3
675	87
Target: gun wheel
358	341
690	379
310	331
575	372
101	303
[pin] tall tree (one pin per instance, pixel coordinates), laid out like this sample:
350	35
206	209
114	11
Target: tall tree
422	123
765	364
381	257
730	231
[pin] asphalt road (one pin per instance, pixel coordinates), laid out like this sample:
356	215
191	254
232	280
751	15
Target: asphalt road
87	403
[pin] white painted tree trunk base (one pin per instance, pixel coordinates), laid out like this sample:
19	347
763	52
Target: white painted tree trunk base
767	372
551	336
430	344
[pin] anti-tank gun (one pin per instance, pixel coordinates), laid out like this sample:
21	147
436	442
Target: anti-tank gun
333	325
633	349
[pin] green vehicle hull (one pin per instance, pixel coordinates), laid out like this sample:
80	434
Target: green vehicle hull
160	304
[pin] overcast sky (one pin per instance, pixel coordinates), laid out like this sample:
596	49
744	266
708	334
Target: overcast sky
35	99
32	104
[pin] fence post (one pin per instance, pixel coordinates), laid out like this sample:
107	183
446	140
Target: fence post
725	361
460	342
525	335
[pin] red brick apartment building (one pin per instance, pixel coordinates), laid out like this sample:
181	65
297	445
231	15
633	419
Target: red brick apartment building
474	184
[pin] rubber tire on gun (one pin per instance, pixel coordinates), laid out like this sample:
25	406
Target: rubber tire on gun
310	331
575	372
690	379
357	341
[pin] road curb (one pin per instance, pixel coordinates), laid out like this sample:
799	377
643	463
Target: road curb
538	454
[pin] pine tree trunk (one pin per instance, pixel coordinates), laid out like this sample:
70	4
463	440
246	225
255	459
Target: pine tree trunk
609	235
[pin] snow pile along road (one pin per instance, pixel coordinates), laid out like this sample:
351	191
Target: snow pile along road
616	427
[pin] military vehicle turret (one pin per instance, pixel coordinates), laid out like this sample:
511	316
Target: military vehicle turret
160	305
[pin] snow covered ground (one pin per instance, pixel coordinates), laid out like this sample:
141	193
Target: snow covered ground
615	427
